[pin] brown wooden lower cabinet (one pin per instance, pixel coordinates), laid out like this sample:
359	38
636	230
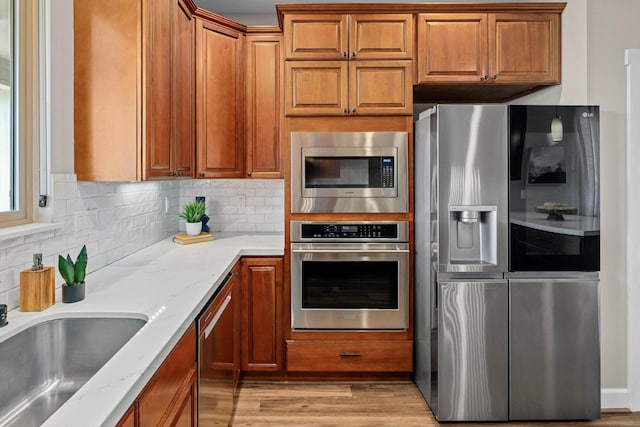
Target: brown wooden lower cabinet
261	314
349	356
170	397
129	419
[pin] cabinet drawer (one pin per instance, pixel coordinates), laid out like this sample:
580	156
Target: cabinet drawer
161	392
349	356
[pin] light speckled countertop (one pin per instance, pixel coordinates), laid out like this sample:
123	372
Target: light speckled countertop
167	284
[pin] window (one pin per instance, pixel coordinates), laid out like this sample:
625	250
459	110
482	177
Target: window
19	71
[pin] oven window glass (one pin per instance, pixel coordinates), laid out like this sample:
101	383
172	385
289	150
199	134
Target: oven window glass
350	285
347	172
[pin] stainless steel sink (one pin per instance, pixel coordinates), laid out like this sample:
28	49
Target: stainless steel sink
42	366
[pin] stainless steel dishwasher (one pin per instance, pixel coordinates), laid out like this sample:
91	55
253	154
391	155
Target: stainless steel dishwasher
218	355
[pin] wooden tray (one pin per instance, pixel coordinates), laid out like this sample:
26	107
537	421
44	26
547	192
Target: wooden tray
185	239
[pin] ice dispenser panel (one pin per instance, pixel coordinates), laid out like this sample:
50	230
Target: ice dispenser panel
473	235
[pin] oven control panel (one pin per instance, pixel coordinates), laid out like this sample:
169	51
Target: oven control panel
349	231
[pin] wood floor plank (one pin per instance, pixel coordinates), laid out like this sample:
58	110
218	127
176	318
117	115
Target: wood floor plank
363	405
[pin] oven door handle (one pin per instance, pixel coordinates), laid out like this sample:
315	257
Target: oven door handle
349	251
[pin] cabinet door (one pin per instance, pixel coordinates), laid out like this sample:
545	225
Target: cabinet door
264	106
107	87
316	88
220	101
157	401
524	47
452	47
186	406
380	87
315	36
261	314
157	149
378	36
183	86
129	419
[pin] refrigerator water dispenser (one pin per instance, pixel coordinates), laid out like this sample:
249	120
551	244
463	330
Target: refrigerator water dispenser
473	236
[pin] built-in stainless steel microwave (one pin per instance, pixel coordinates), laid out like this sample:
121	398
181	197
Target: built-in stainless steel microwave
349	172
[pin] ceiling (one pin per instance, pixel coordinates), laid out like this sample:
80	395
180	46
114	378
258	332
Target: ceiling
263	12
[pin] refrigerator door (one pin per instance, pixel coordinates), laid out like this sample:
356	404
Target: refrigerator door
473	351
424	276
554	188
554	349
472	188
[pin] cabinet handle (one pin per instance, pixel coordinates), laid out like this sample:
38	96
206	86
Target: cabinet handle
495	77
350	354
485	78
353	54
353	111
173	174
344	110
201	174
248	173
344	54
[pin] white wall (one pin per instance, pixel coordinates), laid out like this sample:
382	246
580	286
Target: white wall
612	27
633	227
61	86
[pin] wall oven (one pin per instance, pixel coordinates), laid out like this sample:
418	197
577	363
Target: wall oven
349	172
349	275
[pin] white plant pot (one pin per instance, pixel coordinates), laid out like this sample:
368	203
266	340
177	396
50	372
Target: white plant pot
193	228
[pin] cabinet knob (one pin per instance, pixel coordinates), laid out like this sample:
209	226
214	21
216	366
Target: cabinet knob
344	54
248	173
495	77
485	77
344	110
201	174
353	54
353	111
173	174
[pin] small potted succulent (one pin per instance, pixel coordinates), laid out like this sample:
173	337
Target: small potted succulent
192	212
73	273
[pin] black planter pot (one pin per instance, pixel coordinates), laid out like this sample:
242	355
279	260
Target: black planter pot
73	293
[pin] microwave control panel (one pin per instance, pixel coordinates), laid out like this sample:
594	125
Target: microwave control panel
388	172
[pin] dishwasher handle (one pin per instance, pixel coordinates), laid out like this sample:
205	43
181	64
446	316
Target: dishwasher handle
212	324
206	315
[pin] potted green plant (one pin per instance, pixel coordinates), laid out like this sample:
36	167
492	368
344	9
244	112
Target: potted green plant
73	273
192	212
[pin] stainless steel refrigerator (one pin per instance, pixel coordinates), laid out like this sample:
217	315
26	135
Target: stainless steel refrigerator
507	260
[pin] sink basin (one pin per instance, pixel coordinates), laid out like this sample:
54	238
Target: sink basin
42	366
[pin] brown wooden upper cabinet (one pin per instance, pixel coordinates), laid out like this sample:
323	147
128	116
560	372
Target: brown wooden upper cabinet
508	48
133	106
264	105
341	88
220	101
348	64
340	36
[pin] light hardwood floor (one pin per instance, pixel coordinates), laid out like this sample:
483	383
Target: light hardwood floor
360	405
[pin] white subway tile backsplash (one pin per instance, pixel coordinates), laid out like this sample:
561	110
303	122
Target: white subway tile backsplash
115	220
6	279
